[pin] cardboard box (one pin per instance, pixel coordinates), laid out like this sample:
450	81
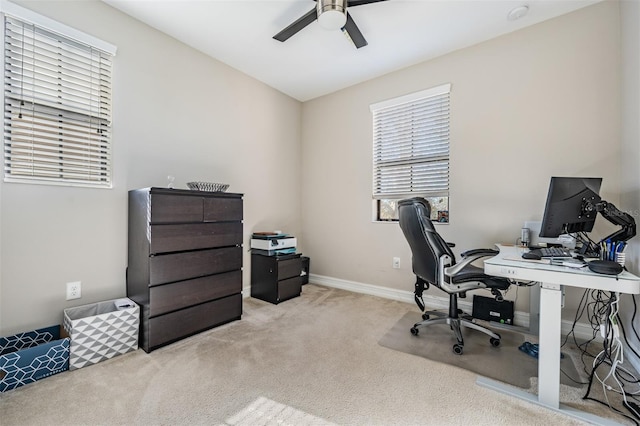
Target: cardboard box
34	355
102	330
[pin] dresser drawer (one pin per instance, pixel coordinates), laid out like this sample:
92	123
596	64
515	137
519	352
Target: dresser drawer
168	268
289	268
175	208
193	236
171	297
179	324
289	288
221	209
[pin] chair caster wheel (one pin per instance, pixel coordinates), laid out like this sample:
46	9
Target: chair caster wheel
457	349
414	331
425	316
494	342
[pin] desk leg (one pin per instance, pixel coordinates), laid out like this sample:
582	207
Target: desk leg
534	310
549	354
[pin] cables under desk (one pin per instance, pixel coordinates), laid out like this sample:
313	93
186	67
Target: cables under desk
605	369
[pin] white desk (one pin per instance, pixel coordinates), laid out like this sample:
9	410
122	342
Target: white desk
509	264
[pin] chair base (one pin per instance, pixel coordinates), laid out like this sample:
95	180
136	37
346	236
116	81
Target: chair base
456	323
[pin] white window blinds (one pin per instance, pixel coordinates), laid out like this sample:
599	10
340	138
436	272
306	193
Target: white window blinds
57	108
411	145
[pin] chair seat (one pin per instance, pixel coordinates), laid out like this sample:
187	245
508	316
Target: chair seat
474	273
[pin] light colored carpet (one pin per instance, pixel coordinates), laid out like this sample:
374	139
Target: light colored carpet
311	360
506	363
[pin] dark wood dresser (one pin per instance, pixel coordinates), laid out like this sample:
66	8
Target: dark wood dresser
276	278
184	261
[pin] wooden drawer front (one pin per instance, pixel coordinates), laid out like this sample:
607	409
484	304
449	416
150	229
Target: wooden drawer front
173	326
193	236
220	209
182	266
171	297
289	268
175	208
289	288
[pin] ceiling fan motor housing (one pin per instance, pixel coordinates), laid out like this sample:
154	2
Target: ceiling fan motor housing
332	14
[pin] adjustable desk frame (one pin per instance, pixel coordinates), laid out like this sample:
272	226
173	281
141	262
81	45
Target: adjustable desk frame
551	278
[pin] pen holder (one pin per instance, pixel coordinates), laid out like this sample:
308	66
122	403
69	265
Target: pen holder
620	257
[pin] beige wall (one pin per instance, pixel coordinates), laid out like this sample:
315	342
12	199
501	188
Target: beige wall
176	111
543	101
630	163
532	104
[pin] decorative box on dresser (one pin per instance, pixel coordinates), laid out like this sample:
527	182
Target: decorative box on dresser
276	278
184	261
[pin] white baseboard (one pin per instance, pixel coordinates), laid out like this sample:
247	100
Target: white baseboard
521	319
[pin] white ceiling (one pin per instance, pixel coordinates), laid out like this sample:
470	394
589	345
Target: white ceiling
315	61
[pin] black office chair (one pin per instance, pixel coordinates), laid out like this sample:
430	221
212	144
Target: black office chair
434	264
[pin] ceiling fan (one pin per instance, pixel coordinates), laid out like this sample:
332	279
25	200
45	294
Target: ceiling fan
333	15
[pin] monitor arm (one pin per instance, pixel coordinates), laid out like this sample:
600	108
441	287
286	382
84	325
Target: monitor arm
615	216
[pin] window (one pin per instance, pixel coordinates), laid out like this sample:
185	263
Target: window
57	106
411	152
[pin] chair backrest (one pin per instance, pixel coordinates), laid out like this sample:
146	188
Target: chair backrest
426	244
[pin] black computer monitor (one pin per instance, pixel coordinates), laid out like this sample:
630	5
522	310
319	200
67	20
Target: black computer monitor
569	207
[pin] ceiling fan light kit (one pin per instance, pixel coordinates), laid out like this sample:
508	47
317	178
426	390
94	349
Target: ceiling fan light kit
332	14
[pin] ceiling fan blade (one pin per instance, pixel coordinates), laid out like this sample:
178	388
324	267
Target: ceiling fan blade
305	20
354	33
354	3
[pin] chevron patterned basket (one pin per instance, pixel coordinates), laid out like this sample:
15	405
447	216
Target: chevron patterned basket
102	330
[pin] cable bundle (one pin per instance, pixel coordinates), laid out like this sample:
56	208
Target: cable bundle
601	309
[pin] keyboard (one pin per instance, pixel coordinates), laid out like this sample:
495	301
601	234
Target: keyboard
552	252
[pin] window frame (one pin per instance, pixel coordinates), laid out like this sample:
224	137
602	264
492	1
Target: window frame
406	149
68	116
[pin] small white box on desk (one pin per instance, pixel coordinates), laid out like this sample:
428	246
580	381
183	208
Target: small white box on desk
273	243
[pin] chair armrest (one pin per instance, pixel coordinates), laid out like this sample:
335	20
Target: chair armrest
468	257
484	251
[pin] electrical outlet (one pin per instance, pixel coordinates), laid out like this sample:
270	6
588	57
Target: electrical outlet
74	290
396	263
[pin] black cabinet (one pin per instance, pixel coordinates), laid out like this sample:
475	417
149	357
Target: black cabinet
184	261
276	278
